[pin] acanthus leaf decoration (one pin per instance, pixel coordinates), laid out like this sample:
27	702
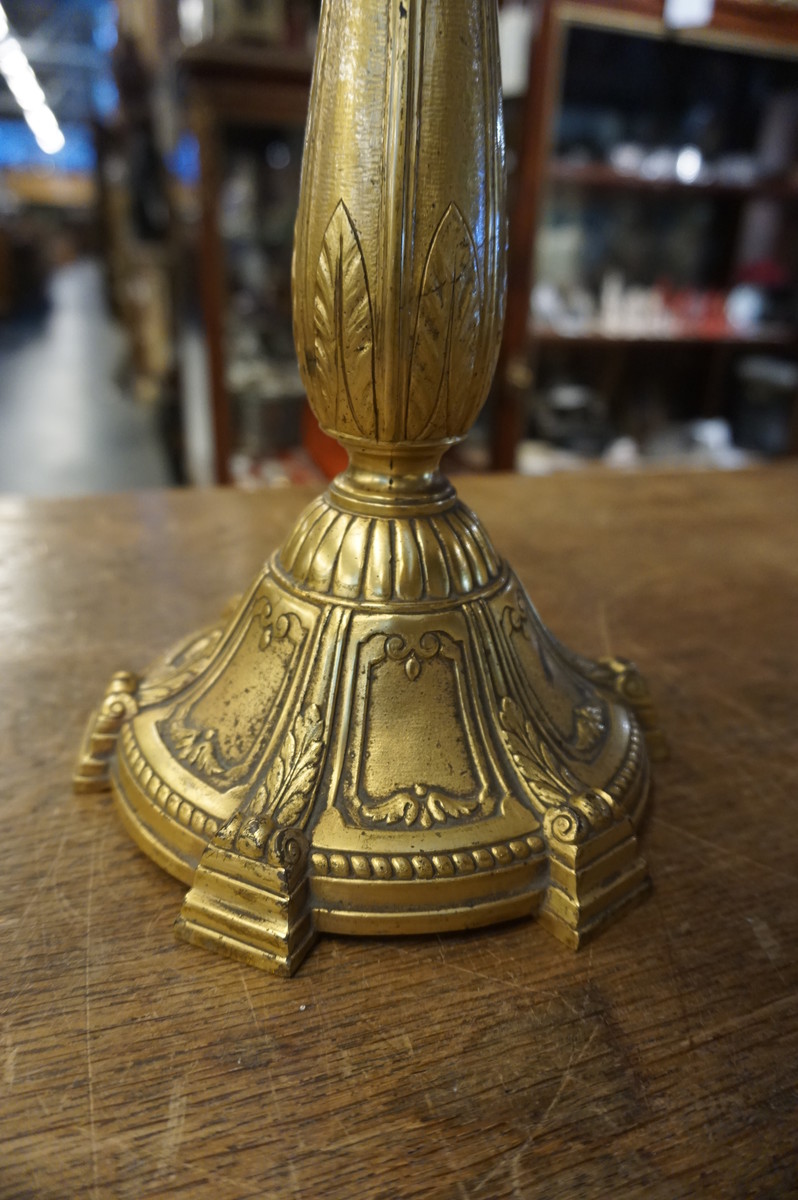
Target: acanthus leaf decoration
293	773
393	810
572	813
276	775
549	782
345	395
441	807
425	808
197	748
448	322
589	725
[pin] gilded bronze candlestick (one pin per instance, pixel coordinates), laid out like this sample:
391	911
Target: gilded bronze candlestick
381	736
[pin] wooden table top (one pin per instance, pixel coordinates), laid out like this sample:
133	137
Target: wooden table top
661	1061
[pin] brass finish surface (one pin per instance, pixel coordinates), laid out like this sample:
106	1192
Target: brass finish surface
381	736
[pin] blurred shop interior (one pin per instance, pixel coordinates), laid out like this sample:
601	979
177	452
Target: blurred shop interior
150	154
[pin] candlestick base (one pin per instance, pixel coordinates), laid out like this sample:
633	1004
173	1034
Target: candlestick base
382	737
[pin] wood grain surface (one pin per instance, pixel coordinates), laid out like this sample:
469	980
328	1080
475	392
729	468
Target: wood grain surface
660	1062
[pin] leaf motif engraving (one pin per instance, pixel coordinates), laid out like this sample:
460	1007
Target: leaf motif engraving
589	725
425	809
345	395
274	780
292	775
396	808
549	782
197	748
443	367
440	807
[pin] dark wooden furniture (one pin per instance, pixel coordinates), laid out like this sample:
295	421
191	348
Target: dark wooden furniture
658	1062
758	28
233	83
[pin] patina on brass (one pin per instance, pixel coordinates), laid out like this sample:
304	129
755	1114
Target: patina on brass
381	736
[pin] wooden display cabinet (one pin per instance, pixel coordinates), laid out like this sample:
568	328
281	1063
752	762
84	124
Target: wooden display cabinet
759	30
242	98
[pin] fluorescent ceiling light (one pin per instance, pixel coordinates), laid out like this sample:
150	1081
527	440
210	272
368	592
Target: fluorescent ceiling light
19	75
12	57
50	140
42	120
27	92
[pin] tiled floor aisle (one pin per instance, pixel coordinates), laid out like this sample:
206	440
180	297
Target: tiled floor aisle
66	425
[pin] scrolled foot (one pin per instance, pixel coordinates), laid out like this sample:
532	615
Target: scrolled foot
92	771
